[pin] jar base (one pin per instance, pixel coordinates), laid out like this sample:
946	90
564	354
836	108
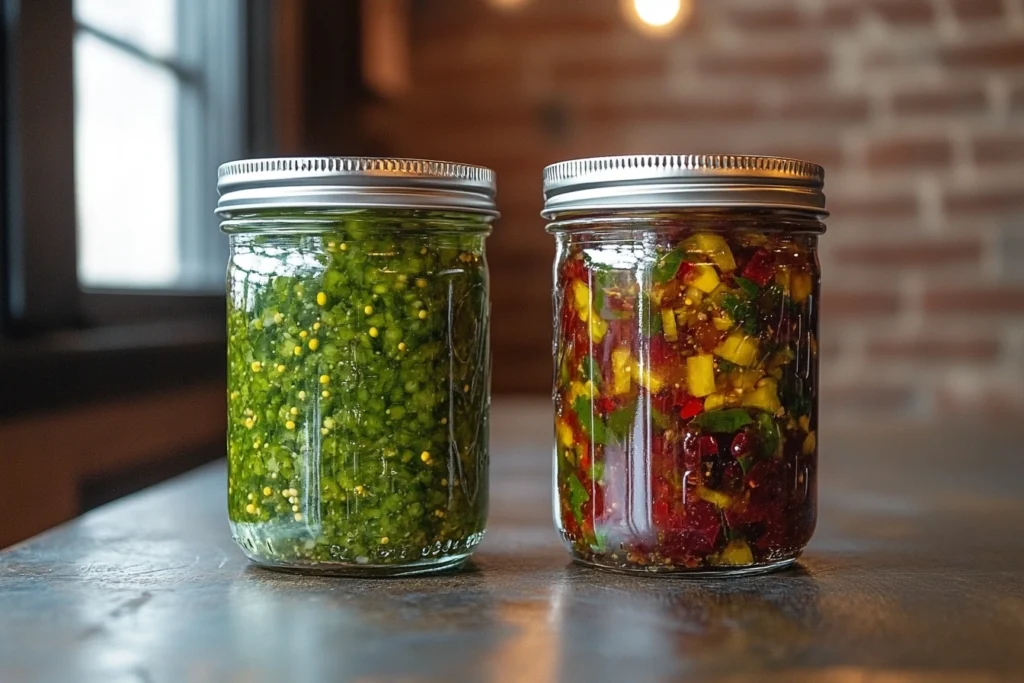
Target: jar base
691	573
433	565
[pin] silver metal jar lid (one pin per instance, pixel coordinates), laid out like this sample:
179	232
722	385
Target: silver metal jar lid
665	181
354	183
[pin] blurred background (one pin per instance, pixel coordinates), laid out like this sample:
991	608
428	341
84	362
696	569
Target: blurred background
116	114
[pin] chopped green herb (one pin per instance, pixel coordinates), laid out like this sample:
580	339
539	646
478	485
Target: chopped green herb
668	266
661	420
770	436
722	421
743	311
620	420
749	287
578	496
594	428
589	371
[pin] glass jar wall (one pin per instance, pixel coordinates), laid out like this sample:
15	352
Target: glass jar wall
358	388
686	384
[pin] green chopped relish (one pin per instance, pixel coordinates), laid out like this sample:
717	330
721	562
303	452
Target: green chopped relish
358	397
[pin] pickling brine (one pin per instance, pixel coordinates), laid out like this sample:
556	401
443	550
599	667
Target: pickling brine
359	387
686	379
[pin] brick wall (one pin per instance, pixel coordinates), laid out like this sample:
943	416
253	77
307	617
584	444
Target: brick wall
915	107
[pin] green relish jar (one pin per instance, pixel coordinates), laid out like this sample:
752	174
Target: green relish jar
358	362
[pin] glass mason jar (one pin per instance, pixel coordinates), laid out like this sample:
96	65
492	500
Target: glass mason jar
686	360
358	362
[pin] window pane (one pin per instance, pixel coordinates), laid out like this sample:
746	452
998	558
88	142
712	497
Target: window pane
126	163
147	24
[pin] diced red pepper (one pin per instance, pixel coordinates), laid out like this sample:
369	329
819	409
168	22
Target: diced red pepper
692	407
585	462
575	269
759	269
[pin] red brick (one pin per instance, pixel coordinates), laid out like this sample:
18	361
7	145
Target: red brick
1005	54
929	349
943	101
993	403
994	300
873	208
529	24
908	153
467	73
999	148
793	63
603	67
759	19
984	201
1017	100
698	110
911	253
858	303
902	12
972	10
838	15
834	109
890	399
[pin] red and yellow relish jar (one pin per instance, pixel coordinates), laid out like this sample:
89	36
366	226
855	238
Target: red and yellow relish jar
686	360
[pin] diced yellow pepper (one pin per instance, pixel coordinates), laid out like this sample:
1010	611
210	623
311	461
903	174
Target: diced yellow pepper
622	369
581	299
700	375
565	437
722	322
714	402
782	277
656	293
577	389
598	327
720	500
800	286
707	279
649	380
714	246
693	294
810	443
765	396
668	324
736	554
582	302
738	348
804	422
745	379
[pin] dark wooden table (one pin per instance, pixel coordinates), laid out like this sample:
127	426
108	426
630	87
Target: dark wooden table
916	574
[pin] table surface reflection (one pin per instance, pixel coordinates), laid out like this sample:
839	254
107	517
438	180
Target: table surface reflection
916	573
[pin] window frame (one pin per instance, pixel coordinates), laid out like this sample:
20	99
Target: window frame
39	286
38	148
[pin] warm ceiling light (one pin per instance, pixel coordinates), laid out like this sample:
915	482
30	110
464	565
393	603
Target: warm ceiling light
657	13
509	4
658	16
